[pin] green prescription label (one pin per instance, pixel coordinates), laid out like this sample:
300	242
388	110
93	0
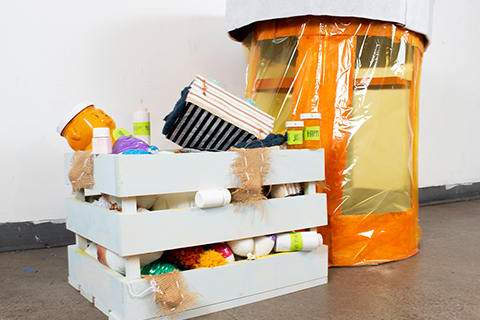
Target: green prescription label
141	128
295	137
297	241
117	133
311	133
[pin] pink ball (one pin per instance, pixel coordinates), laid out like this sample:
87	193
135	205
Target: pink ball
224	250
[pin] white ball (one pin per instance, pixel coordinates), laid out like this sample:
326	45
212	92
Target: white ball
263	246
241	247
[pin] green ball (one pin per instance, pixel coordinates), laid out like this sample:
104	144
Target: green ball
158	267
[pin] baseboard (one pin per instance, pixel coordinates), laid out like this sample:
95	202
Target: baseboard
29	235
444	194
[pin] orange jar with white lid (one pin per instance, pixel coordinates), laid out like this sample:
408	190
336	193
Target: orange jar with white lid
311	130
294	134
77	126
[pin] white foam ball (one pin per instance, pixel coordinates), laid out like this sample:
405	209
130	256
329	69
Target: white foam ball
263	246
241	247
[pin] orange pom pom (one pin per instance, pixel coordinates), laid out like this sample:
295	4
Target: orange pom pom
184	258
210	259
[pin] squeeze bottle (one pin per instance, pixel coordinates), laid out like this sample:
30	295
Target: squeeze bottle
141	124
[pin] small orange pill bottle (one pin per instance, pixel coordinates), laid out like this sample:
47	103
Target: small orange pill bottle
311	130
77	126
294	134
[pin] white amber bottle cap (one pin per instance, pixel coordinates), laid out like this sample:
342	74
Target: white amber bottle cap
72	114
101	132
305	116
294	124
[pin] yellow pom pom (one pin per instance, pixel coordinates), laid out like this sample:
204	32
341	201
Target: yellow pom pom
210	259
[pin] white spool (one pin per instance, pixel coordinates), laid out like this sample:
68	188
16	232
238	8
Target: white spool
303	241
212	198
116	262
92	250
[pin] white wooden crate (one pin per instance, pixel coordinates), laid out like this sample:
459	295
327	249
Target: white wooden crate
220	288
131	234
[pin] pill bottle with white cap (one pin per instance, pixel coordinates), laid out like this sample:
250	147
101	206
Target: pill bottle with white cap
212	198
298	241
77	126
141	124
101	141
311	130
294	134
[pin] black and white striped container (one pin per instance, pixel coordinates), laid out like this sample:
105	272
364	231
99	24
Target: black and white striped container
209	118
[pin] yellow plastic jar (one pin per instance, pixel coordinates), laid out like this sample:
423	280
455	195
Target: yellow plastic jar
294	134
77	126
311	130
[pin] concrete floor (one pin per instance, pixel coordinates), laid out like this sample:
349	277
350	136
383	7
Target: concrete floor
441	282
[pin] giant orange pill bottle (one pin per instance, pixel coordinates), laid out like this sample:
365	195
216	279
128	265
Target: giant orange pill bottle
77	126
294	134
311	130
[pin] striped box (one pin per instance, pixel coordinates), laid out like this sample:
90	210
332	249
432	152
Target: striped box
207	117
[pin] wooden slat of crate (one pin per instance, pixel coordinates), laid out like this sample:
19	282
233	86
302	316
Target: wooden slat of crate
138	233
133	175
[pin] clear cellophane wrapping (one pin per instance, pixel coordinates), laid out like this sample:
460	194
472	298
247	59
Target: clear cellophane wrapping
363	77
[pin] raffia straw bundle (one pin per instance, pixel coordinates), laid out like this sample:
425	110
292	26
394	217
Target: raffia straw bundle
81	171
251	168
171	295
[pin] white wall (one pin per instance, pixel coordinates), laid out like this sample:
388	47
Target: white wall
125	54
449	150
120	55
